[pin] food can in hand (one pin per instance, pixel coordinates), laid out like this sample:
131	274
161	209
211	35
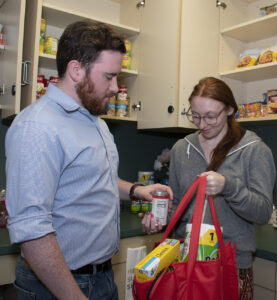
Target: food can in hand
160	206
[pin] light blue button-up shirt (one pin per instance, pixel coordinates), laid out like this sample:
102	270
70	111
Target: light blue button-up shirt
62	177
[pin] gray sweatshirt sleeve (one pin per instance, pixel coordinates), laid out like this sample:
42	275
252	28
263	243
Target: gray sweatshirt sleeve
252	199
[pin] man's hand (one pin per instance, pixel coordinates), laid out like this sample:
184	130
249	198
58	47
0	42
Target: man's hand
148	223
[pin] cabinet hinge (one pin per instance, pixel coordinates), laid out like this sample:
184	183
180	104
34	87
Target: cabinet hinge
141	3
221	4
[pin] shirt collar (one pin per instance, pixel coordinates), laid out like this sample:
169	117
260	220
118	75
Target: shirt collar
62	99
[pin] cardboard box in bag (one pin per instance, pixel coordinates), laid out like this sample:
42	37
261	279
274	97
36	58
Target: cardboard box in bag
162	256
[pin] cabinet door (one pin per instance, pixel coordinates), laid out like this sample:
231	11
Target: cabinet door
12	14
158	63
199	48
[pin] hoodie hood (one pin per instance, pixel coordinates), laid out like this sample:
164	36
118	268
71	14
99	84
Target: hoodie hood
192	140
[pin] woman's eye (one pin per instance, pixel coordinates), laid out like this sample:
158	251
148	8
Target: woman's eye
210	117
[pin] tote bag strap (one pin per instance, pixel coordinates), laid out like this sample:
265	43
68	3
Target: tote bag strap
181	207
217	230
196	225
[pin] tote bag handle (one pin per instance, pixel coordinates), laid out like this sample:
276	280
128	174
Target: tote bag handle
196	224
181	207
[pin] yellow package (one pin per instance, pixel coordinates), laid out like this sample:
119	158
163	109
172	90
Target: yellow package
162	256
248	58
268	55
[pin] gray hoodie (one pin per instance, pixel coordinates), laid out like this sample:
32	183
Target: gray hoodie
246	198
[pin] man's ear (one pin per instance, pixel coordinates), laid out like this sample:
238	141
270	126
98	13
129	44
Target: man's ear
75	71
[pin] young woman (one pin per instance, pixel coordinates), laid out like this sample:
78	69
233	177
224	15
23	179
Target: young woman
239	168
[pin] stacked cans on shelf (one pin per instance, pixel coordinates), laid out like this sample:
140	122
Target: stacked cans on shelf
119	103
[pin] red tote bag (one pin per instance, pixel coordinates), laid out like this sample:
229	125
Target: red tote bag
192	279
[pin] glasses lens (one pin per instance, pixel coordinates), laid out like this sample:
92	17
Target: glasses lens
190	118
210	120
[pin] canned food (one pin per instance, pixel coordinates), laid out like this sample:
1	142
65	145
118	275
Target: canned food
128	46
54	79
42	28
135	206
126	62
41	45
160	206
121	108
51	45
144	206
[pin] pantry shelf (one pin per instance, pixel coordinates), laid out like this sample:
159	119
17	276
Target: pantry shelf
254	30
49	61
61	17
248	74
128	119
266	119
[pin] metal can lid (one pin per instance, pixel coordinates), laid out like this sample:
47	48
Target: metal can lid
160	194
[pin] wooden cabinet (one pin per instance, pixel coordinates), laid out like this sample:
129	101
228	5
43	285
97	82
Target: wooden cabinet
12	15
179	45
202	40
175	43
58	15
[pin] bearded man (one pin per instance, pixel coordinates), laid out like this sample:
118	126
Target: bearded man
63	189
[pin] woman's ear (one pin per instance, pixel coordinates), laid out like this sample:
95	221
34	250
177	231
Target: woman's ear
230	111
75	71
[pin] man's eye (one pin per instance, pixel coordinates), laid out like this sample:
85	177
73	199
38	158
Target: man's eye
109	77
196	117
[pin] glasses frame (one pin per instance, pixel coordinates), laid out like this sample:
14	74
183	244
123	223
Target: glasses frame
190	117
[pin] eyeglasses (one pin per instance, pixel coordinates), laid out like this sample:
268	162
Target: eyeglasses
209	119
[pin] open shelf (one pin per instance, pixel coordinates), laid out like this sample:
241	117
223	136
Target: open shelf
254	30
129	119
248	74
270	117
48	61
60	17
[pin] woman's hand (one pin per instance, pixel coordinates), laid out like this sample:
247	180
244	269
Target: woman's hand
215	182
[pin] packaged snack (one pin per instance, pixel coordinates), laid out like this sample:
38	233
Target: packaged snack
248	58
268	55
250	110
208	243
272	101
241	111
51	45
266	10
162	256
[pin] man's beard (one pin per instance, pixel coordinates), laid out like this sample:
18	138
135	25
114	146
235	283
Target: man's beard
86	92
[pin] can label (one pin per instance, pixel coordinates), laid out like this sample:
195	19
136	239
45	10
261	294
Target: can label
144	206
160	206
135	206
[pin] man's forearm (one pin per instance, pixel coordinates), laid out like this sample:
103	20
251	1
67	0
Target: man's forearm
124	189
46	260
